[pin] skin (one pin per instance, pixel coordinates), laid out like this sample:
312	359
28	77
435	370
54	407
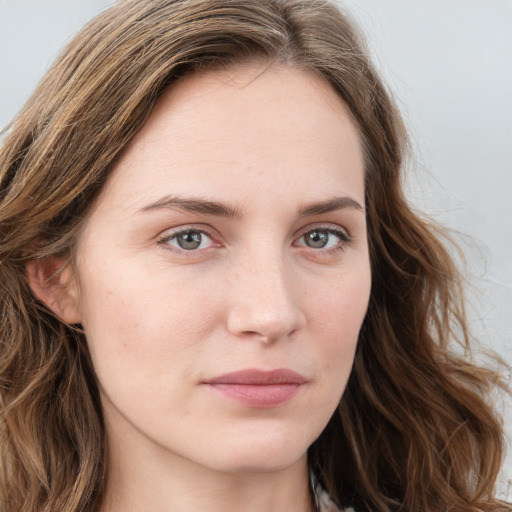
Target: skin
256	293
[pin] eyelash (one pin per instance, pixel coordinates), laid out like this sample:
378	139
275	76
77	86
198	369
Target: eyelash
165	239
343	236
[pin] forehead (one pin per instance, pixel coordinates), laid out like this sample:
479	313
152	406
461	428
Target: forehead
242	126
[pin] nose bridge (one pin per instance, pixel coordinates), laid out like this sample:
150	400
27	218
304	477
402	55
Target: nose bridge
263	296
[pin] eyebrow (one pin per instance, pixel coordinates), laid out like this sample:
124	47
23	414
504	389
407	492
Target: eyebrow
220	209
195	205
333	204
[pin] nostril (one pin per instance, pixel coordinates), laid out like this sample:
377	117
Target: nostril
264	331
256	336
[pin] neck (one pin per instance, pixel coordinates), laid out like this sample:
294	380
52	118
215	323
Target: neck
183	487
149	478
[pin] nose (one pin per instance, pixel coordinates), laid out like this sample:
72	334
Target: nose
264	301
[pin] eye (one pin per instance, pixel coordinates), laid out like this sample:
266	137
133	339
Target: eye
323	238
188	240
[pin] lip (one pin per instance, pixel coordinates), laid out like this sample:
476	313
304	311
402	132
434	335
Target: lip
258	389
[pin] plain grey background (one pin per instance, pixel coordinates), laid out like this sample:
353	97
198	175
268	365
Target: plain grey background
449	64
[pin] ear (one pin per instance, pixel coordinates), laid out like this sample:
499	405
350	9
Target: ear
52	281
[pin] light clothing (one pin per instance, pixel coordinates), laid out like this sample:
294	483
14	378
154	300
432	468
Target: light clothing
325	504
323	500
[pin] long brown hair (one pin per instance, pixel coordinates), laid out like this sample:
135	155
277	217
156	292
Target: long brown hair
413	430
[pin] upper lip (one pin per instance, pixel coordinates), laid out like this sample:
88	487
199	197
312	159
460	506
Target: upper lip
255	377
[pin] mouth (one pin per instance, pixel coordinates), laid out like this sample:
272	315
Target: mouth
258	389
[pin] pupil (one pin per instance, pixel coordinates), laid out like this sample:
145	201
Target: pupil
190	240
317	239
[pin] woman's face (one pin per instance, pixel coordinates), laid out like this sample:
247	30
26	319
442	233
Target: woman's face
223	274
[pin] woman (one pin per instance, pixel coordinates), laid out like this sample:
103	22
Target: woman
215	296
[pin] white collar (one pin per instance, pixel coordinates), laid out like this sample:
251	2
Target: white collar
323	501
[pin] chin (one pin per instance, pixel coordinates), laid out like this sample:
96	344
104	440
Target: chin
256	462
252	454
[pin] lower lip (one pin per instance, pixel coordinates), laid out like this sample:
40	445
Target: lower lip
258	396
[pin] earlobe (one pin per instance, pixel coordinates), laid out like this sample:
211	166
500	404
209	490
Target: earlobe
52	282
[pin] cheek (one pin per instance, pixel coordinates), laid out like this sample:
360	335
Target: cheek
138	323
338	314
338	305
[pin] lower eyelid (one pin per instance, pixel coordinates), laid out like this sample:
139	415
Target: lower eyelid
165	238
